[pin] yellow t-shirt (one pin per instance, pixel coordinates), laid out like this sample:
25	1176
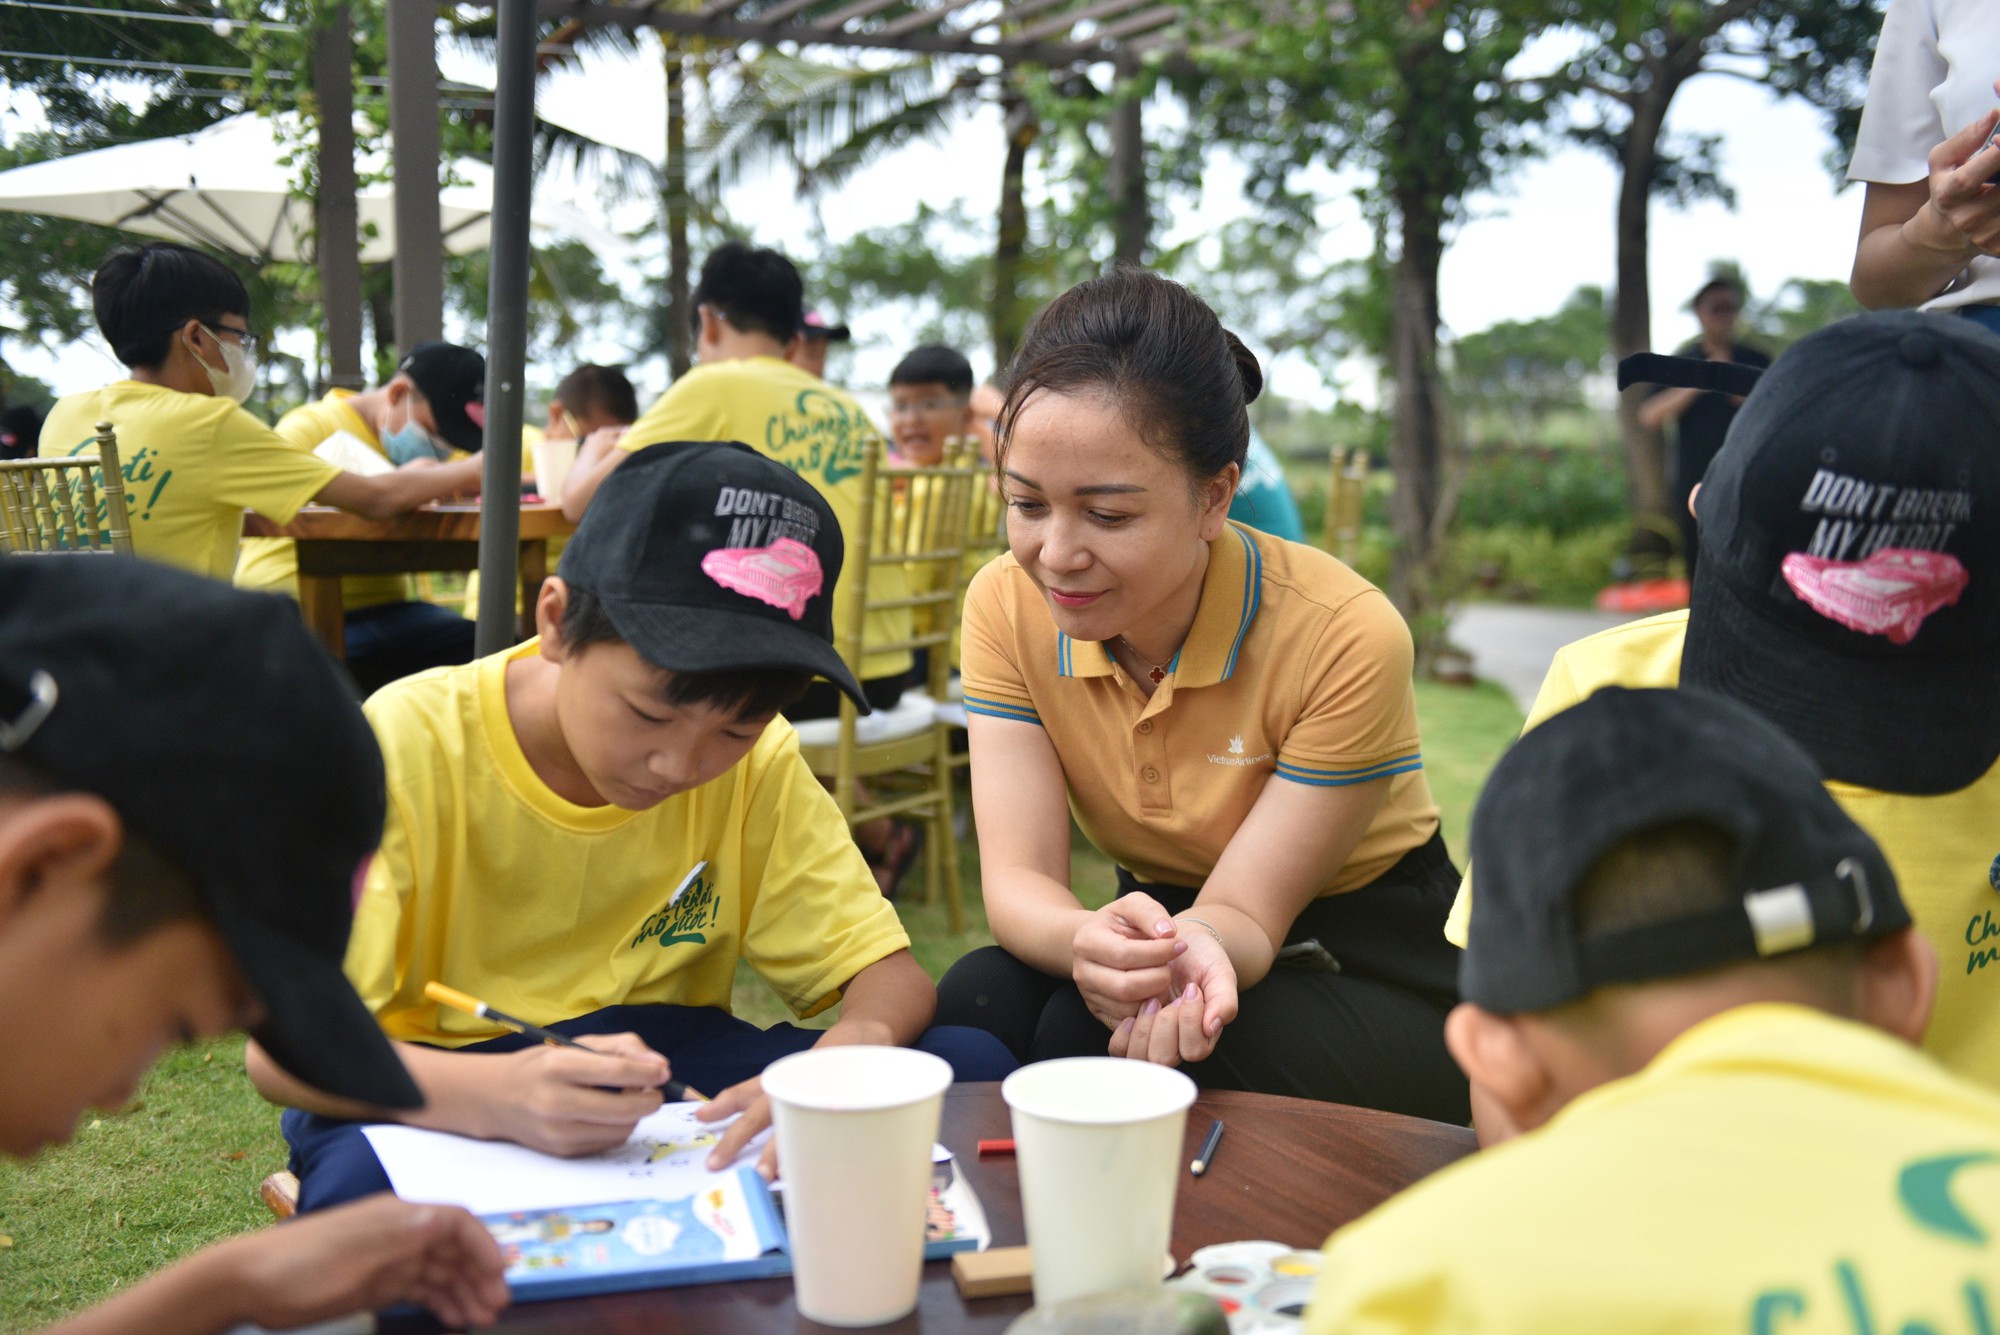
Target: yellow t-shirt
815	430
272	564
192	463
1945	849
1772	1170
1296	667
488	881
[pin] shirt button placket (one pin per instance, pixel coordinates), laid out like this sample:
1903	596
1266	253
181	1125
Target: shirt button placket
1150	754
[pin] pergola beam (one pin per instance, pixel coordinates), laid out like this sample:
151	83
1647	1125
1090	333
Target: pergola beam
1157	17
1014	14
1068	19
778	13
924	18
699	24
860	9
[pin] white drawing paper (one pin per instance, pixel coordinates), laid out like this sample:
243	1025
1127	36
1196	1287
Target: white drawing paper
664	1159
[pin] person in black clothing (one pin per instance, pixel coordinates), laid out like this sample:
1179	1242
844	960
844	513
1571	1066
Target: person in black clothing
1703	418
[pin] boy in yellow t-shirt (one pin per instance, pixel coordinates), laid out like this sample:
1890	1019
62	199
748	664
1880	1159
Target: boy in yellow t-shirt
591	830
1694	993
181	875
192	458
433	405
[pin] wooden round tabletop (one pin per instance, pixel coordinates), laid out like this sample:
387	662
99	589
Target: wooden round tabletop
1289	1171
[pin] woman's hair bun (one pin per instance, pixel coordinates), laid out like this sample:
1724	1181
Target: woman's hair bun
1247	368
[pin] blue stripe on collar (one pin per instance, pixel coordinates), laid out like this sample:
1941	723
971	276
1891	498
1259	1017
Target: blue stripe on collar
1253	595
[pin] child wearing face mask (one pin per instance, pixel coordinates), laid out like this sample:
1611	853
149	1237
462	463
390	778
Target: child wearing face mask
193	460
432	409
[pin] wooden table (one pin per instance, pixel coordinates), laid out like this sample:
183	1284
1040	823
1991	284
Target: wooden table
441	536
1289	1171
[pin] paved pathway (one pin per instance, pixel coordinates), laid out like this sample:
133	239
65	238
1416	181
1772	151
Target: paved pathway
1512	643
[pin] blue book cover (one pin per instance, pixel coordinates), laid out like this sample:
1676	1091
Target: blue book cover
732	1229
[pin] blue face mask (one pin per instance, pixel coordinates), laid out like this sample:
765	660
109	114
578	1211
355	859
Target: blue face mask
410	442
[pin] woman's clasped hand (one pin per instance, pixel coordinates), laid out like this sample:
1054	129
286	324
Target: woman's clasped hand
1165	989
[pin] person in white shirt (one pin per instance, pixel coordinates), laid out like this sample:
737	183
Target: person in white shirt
1930	229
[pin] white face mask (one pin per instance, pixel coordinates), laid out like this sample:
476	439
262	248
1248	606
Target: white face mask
239	374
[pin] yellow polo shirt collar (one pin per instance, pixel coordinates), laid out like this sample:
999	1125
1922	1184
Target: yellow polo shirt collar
1231	591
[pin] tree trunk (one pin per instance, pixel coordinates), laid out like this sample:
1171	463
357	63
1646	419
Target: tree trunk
680	331
1416	449
1422	179
1644	448
1678	59
378	290
1128	170
1006	316
337	233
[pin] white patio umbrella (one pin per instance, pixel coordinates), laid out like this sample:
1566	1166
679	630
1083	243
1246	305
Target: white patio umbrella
228	186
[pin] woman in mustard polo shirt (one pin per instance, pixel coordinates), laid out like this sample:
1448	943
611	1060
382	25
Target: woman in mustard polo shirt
1229	717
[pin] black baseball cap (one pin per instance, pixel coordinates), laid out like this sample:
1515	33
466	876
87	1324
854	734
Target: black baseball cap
710	557
1849	582
814	325
225	737
452	380
1623	762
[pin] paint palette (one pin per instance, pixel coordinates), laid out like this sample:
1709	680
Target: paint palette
1262	1287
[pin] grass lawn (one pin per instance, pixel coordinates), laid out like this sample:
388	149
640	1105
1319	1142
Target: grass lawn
180	1168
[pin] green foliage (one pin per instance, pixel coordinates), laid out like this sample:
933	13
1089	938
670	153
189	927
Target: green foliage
1419	93
568	295
1517	374
1561	491
1265	277
932	264
1301	433
1534	564
1797	308
1816	49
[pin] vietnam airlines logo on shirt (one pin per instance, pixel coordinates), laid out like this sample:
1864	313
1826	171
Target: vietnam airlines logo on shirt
686	917
1235	756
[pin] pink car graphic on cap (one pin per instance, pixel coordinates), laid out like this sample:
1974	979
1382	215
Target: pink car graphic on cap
785	574
1890	593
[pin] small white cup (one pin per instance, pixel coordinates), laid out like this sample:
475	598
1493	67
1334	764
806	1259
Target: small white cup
553	459
855	1126
1097	1142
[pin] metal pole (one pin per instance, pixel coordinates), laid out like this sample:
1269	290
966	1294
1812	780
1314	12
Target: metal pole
507	324
338	240
413	123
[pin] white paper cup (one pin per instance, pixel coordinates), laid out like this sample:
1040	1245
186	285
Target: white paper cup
855	1127
552	460
1097	1141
